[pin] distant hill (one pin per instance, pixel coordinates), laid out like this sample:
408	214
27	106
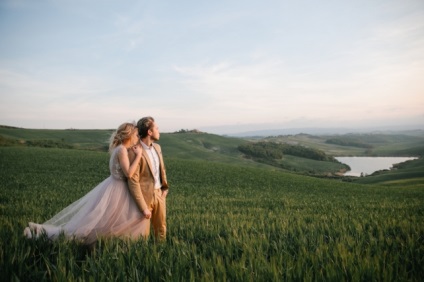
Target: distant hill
197	145
324	131
79	139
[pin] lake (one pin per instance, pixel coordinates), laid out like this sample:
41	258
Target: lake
368	165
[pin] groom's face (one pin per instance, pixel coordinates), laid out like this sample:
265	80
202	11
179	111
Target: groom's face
154	132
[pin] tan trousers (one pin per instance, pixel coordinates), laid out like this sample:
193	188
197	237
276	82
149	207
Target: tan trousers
158	220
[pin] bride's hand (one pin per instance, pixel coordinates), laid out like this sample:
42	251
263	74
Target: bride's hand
147	213
137	149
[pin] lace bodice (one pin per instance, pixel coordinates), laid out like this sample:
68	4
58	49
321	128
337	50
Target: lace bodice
114	166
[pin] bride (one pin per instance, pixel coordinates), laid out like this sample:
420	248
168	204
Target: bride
108	210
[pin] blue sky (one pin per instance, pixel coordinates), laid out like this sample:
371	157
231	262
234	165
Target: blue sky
218	66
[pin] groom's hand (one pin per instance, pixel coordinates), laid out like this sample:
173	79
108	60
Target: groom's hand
164	193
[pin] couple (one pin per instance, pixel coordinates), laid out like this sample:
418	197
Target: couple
125	203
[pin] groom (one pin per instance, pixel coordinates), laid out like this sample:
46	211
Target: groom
148	185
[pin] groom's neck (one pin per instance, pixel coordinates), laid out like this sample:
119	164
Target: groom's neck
147	141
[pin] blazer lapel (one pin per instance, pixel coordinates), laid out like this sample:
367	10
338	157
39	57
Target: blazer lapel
147	157
159	152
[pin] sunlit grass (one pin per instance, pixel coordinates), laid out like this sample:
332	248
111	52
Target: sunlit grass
225	222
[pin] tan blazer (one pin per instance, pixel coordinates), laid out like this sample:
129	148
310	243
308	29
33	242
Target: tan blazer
142	183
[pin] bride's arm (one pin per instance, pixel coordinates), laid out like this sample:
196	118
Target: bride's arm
134	181
129	168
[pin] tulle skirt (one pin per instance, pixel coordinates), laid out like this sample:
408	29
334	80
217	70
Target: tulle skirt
106	211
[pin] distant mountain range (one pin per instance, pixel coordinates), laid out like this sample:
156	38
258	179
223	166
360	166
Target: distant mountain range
326	131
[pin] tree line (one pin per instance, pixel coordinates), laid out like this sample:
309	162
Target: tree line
273	150
351	143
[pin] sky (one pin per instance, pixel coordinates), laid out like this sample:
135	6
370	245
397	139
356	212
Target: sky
216	66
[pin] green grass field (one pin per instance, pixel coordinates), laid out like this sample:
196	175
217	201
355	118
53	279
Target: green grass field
230	218
227	221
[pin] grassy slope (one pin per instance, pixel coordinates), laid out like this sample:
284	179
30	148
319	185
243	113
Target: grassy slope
210	147
79	138
200	146
411	173
190	146
183	145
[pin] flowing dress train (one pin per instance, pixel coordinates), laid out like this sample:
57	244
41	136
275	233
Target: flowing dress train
108	210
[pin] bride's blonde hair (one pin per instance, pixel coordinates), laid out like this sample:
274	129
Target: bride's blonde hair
123	133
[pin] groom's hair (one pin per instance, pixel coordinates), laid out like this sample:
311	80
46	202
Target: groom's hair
143	125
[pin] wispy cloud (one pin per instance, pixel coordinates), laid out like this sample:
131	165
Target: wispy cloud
194	63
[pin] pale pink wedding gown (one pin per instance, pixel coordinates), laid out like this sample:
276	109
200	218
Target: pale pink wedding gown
106	211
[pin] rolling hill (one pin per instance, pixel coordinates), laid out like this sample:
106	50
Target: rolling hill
194	145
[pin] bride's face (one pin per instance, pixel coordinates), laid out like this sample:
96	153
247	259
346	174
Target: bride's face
135	139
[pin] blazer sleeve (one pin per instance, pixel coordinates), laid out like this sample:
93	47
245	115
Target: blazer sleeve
134	186
163	178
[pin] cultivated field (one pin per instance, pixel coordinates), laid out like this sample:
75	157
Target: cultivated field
233	221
